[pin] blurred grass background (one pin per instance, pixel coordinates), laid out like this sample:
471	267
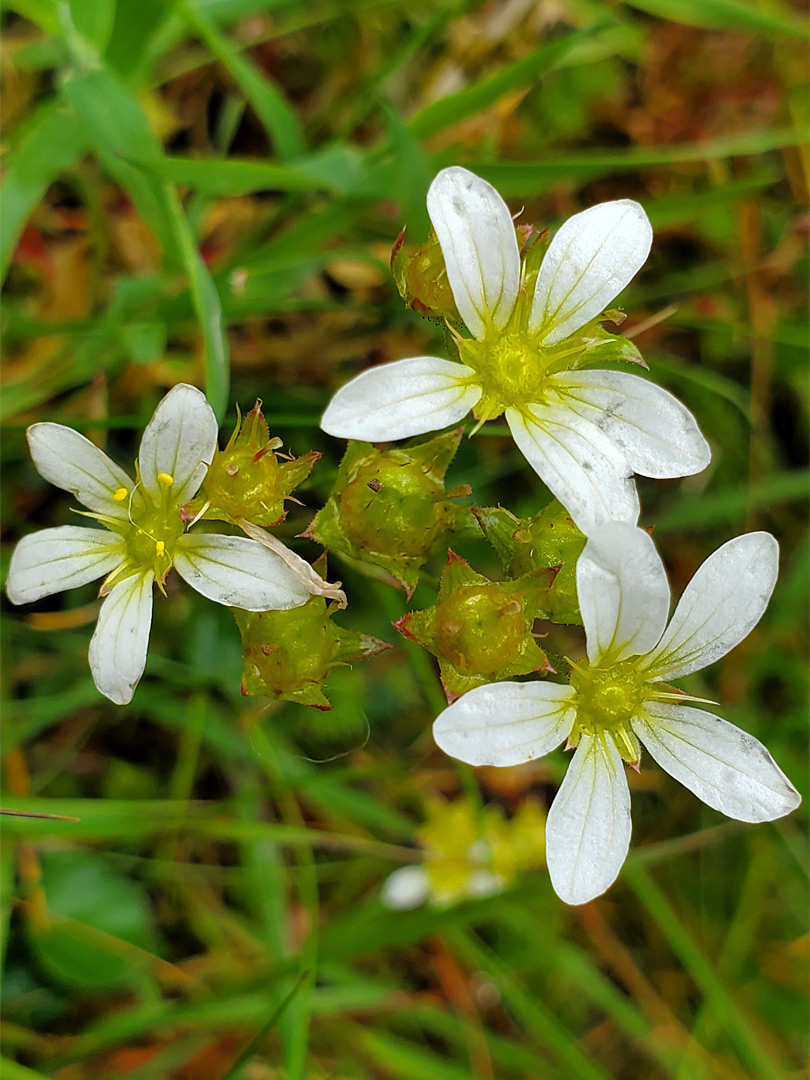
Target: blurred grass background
207	191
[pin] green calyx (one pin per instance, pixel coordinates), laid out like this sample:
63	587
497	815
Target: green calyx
607	699
421	279
287	655
548	541
248	480
480	630
390	507
394	504
479	627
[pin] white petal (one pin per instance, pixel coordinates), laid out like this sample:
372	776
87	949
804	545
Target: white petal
405	398
623	592
480	248
52	560
593	256
657	434
505	723
588	826
720	606
118	647
405	889
578	464
727	768
238	572
179	441
68	460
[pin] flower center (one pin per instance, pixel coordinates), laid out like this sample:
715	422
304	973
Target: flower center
606	701
511	369
153	528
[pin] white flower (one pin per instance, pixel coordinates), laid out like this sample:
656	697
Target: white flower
585	432
619	695
145	536
410	886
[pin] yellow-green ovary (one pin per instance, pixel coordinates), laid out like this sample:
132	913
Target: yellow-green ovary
607	698
510	368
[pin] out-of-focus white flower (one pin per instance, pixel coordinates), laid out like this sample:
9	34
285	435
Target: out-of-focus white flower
620	695
469	853
145	536
585	432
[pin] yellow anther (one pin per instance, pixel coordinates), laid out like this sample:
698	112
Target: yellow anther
160	548
120	495
164	478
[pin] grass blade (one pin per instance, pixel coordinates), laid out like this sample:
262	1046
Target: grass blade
478	96
722	15
207	306
740	1028
277	117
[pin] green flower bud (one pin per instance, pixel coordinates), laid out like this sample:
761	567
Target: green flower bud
287	655
480	630
391	505
421	279
390	508
247	479
548	541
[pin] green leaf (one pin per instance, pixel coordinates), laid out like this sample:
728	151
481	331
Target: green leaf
517	179
227	178
407	1061
144	342
120	132
113	117
12	1070
45	13
93	21
723	15
694	958
136	22
91	911
728	506
52	142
